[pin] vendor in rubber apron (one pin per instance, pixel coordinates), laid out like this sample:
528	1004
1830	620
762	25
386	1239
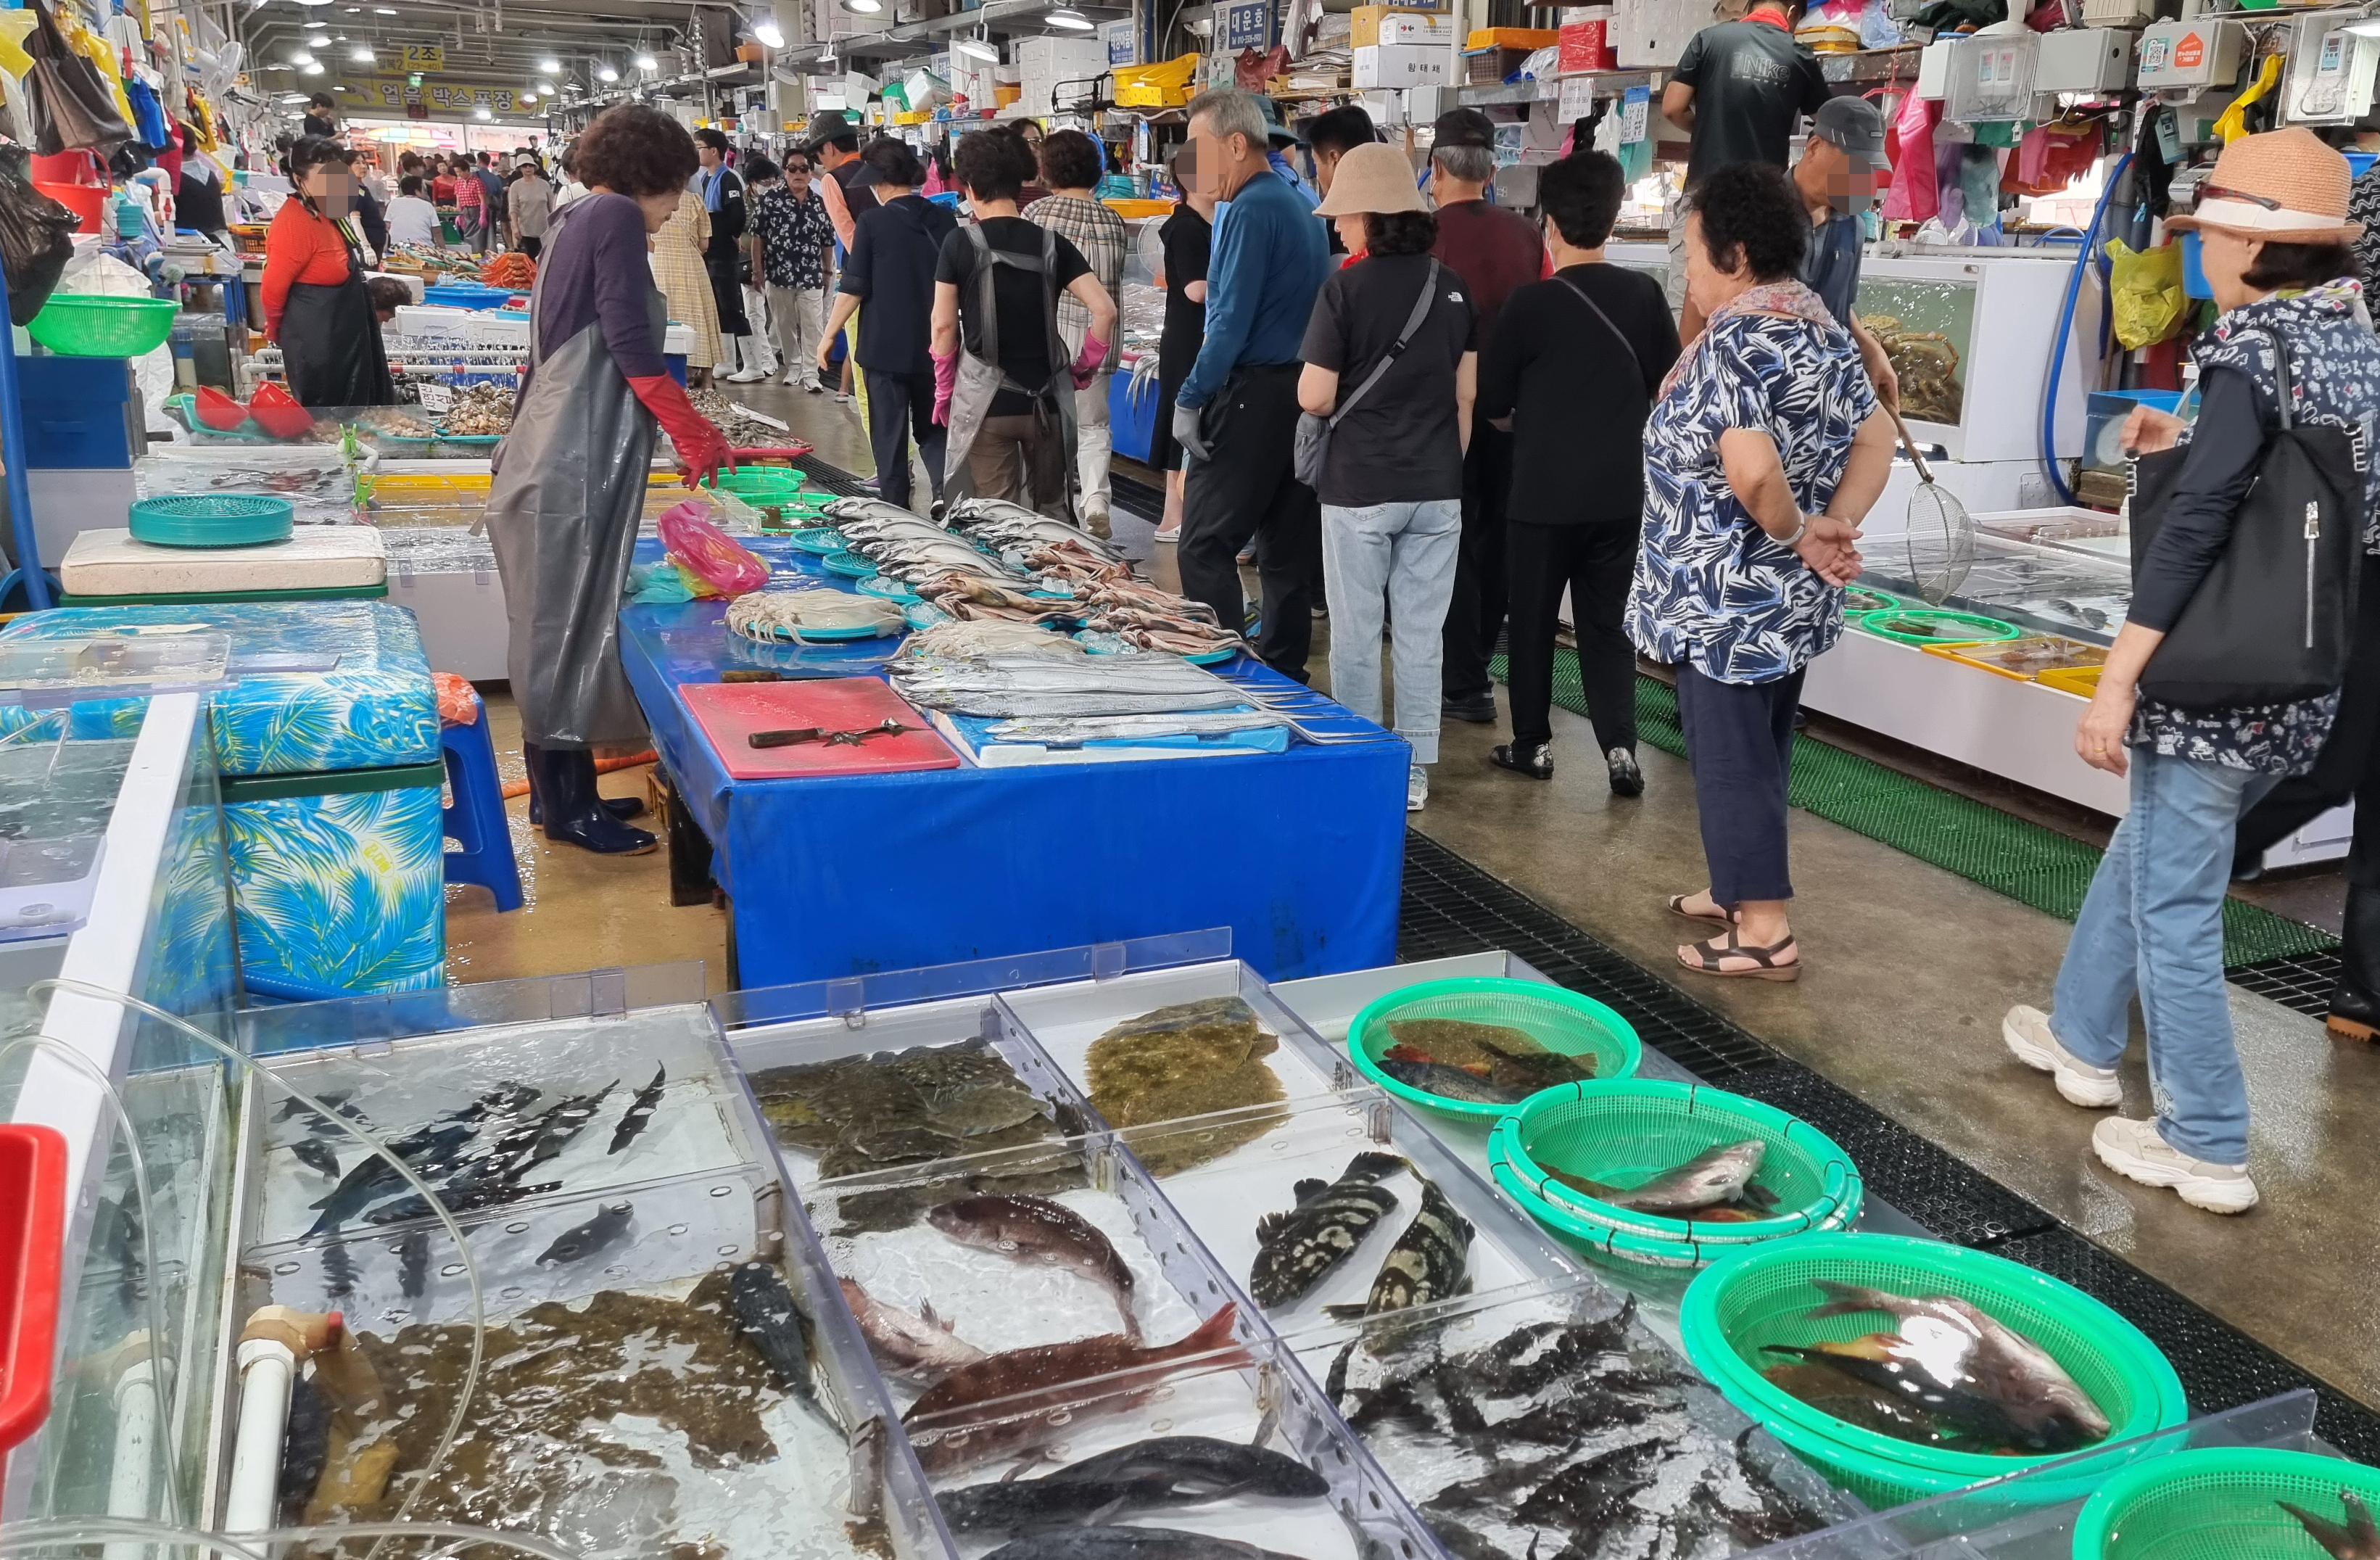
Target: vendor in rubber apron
569	488
996	346
315	306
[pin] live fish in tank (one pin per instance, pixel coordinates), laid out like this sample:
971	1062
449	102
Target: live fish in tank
640	1111
1715	1183
1431	1262
772	1322
2356	1538
1036	1229
1131	1543
607	1228
316	1155
1191	1058
1300	1247
924	1347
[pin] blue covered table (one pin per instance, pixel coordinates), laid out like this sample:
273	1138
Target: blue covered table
1301	854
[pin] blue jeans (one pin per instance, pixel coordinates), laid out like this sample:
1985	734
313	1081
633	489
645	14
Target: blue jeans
2152	926
1399	556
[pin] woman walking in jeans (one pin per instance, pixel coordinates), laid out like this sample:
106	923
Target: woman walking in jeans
1391	485
2273	238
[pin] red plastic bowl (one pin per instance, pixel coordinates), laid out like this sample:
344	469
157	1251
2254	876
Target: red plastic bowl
217	410
277	412
32	1263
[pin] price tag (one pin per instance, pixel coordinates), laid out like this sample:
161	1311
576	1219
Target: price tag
1637	112
1577	99
437	398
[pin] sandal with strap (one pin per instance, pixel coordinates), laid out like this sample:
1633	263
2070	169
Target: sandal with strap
1677	903
1768	963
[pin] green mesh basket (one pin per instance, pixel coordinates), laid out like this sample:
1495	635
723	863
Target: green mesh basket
1557	1019
1763	1294
761	484
1925	625
89	326
2217	1504
1625	1132
214	520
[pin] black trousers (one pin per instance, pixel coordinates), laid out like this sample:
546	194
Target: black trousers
531	244
2349	765
1250	488
1740	741
723	262
1476	614
1598	563
901	405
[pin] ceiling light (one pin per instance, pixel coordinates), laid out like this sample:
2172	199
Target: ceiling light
310	70
1071	18
606	73
481	112
321	41
976	48
302	57
770	34
361	54
383	10
864	8
549	65
646	62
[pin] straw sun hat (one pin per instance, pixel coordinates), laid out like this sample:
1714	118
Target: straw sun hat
1374	178
2285	185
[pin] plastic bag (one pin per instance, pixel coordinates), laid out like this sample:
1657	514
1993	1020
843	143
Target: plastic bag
36	235
73	104
2145	289
1912	197
658	584
705	552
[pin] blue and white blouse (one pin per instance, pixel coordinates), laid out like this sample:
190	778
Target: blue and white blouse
1712	589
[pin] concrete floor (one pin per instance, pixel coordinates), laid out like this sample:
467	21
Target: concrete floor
1909	971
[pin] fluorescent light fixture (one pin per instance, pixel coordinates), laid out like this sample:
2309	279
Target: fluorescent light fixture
864	8
976	48
383	10
646	62
311	70
549	65
302	57
771	35
323	42
361	54
481	112
1071	18
606	73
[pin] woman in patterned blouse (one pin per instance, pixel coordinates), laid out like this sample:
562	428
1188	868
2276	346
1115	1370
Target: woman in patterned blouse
1761	459
2274	235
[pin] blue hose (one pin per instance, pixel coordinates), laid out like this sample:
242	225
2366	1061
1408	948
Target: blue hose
2066	326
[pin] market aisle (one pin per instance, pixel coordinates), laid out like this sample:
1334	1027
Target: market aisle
582	911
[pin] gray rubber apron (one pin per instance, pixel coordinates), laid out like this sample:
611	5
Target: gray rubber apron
563	514
980	380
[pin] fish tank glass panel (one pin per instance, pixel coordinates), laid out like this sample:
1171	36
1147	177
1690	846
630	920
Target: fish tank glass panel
1926	329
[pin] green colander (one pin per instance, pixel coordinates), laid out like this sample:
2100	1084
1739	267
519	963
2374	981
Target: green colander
1626	1131
1762	1295
761	484
1557	1019
91	326
2217	1504
1919	624
214	520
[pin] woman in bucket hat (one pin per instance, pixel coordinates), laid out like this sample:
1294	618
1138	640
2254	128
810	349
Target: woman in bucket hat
2273	238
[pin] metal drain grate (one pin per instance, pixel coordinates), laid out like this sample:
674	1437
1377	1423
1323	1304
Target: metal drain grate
1134	496
2302	981
1451	907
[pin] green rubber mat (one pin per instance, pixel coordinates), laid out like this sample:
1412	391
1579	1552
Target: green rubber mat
2009	855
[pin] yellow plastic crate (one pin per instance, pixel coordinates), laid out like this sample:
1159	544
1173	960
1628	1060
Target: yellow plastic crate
2026	659
2082	682
1155	86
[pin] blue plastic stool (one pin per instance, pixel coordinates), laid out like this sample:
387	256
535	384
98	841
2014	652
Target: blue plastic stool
476	820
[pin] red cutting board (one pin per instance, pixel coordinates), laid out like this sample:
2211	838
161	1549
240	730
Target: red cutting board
730	712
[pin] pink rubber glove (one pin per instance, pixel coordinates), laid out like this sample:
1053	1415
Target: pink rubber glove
701	447
1087	362
946	383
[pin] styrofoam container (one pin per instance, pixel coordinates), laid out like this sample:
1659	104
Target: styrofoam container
114	563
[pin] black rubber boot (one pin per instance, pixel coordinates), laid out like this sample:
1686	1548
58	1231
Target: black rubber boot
2355	1006
574	814
622	808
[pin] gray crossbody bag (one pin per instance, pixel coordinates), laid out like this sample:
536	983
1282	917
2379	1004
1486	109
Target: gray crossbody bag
1314	433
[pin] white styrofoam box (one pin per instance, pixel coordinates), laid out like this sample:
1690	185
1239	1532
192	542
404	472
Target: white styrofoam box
2084	60
2118	13
1062	57
1651	34
1433	29
1400	65
113	563
2204	52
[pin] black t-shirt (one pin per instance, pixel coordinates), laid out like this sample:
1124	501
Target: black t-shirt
1402	443
1578	413
1750	79
1022	297
319	124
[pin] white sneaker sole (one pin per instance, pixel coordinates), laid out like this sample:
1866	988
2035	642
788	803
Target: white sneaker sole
2091	1093
2212	1197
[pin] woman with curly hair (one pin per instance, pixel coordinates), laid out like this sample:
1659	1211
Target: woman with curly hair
315	305
569	489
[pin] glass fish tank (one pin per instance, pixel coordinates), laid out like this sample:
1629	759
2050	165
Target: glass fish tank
1927	329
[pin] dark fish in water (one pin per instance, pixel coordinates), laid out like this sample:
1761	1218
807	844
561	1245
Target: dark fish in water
1297	1249
921	1347
1878	1409
584	1240
338	1271
1131	1543
1431	1262
1461	1542
1021	1399
2355	1538
369	1180
1718	1178
1530	1358
457	1199
1949	1412
766	1314
316	1156
1201	1468
116	1234
306	1443
435	1144
1494	1488
556	1127
1035	1229
1588	1497
293	1108
640	1111
1025	1506
1451	1082
1961	1346
413	1263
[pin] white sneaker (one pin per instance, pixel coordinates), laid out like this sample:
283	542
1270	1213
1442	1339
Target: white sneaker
2027	1032
745	376
2137	1150
790	378
1416	788
1168	533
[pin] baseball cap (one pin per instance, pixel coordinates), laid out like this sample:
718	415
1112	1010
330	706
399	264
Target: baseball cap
1463	126
1855	125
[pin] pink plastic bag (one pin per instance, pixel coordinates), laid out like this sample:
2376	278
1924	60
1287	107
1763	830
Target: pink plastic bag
706	553
1912	197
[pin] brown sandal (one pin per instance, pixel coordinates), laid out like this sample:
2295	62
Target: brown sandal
1677	908
1768	963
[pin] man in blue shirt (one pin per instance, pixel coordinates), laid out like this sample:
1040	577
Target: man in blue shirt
1836	179
1236	413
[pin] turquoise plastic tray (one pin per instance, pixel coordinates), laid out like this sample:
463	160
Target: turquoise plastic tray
850	565
220	519
825	541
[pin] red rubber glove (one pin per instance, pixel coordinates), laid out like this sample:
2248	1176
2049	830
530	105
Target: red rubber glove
1085	366
946	383
701	447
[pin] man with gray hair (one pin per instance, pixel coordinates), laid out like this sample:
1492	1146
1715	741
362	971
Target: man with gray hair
1235	415
1495	251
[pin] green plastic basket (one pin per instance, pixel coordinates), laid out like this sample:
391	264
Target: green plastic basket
2218	1502
1968	627
1627	1131
215	520
761	484
1860	600
88	326
1557	1019
1762	1295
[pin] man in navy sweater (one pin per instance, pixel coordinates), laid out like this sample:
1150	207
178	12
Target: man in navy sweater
1236	413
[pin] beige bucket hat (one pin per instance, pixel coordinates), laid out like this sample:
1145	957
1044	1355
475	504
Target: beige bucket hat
1371	178
2284	184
